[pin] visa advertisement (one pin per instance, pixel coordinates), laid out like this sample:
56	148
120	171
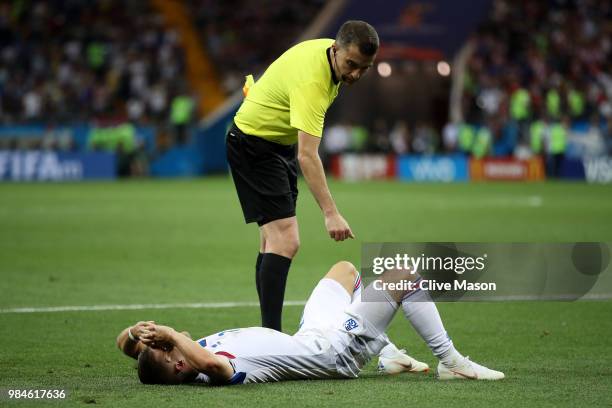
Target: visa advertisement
433	168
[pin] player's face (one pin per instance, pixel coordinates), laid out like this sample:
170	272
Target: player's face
173	361
350	63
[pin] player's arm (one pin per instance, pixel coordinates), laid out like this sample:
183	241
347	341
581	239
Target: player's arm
131	346
312	169
202	360
216	367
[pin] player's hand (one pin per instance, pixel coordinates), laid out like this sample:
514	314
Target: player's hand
157	336
137	329
337	227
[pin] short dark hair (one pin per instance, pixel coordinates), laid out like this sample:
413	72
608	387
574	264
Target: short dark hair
151	371
360	34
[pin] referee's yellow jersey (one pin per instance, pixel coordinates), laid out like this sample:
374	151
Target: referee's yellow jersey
294	93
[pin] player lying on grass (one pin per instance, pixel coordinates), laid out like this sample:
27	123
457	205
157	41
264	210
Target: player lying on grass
338	335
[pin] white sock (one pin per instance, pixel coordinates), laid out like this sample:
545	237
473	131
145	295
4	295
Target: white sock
390	350
423	314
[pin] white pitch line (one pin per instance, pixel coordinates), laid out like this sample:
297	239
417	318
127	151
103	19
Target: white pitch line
227	305
96	308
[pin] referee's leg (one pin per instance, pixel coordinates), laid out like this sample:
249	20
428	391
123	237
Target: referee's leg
262	250
279	243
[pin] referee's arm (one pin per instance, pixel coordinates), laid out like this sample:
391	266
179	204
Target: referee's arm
312	168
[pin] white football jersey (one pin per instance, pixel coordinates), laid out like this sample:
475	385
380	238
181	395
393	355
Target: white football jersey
265	355
337	337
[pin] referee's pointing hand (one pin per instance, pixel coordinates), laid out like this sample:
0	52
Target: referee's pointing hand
337	227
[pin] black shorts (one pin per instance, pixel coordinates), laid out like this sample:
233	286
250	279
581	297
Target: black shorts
265	175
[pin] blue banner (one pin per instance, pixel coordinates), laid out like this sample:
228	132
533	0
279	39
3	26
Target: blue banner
432	168
179	161
572	169
210	140
37	165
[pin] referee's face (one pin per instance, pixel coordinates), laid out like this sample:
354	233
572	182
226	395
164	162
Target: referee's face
351	64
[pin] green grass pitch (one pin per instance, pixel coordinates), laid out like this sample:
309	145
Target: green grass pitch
184	241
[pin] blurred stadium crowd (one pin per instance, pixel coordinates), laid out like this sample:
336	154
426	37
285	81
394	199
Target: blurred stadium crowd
242	37
66	61
115	65
539	76
78	60
540	71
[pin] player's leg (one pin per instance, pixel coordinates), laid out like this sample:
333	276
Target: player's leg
328	300
422	313
337	290
391	360
346	275
326	307
281	238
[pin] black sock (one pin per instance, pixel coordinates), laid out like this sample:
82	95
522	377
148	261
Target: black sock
258	275
273	278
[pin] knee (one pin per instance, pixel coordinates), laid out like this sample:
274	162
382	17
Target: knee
346	268
287	245
282	237
291	246
344	273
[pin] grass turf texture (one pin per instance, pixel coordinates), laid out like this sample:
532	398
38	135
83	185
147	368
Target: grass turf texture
184	241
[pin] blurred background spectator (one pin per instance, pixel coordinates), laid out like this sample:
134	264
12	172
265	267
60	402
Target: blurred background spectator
537	83
541	71
243	37
83	60
118	67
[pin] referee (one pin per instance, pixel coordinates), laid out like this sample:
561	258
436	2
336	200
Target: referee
284	108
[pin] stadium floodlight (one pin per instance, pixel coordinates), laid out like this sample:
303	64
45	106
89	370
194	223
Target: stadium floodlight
443	68
384	69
